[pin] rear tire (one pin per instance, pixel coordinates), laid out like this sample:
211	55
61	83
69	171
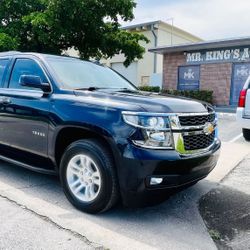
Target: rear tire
246	134
88	176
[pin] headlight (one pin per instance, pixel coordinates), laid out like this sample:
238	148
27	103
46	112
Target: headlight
155	129
147	121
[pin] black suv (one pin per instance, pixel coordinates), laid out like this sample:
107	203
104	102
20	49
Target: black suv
98	132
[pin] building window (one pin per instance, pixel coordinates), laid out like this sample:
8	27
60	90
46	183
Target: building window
189	78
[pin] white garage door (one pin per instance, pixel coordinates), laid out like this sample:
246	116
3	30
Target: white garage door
130	72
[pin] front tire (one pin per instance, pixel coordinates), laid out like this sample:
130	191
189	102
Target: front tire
88	176
246	134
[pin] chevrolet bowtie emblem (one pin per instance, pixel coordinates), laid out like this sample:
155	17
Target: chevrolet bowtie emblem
208	128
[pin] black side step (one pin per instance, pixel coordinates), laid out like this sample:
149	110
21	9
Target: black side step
24	165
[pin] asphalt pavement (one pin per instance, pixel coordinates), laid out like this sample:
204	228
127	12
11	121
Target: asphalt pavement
226	209
174	224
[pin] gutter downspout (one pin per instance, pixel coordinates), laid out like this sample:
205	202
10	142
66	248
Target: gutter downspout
155	44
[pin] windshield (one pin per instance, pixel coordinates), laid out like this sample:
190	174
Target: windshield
77	74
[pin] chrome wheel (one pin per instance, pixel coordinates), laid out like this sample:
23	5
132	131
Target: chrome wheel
83	178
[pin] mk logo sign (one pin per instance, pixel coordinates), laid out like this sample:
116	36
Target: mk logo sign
243	71
189	74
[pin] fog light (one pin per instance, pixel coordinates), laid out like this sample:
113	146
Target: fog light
160	136
155	181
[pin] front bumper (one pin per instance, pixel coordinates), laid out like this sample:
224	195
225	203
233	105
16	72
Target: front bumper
138	165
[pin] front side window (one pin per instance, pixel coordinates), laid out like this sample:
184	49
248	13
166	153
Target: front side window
3	65
189	78
25	67
78	74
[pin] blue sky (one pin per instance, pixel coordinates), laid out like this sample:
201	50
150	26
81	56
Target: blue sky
208	19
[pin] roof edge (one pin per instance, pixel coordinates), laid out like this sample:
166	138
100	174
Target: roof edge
212	44
133	26
177	29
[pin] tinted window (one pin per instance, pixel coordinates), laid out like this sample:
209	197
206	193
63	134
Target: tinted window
25	67
189	78
3	64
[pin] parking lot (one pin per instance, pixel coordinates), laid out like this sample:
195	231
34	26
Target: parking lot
174	224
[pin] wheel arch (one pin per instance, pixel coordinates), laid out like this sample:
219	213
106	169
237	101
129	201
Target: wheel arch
66	135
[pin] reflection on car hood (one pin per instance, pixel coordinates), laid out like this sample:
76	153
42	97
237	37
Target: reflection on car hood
145	101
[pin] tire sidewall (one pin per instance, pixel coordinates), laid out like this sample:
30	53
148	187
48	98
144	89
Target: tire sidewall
100	202
246	134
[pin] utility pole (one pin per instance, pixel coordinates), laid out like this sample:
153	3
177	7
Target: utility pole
172	28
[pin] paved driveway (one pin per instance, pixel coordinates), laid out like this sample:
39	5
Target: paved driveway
174	224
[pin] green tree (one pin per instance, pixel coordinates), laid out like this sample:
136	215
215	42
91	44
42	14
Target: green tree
52	26
7	42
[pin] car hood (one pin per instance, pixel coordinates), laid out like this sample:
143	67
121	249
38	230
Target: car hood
144	101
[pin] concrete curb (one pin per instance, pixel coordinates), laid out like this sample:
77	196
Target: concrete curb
228	160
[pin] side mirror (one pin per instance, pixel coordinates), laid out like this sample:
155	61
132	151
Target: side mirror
34	82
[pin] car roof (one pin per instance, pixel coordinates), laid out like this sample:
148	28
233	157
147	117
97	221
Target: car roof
40	55
9	53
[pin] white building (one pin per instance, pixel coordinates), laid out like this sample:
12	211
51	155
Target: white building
148	71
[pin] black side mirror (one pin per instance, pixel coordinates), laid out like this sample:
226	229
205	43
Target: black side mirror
34	82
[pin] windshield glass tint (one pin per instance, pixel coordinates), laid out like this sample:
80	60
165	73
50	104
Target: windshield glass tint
77	74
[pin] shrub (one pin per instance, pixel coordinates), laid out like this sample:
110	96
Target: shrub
203	95
150	88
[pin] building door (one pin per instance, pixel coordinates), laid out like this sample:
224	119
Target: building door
241	71
130	72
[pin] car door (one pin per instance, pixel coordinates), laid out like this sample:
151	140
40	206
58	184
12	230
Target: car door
25	112
4	63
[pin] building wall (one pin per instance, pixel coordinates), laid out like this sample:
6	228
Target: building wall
215	77
178	36
170	69
145	66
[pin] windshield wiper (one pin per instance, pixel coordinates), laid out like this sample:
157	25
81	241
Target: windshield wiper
91	88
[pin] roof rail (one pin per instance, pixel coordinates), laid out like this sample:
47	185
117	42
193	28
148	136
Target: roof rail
6	53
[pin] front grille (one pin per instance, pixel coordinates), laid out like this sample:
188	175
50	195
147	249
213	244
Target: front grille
197	120
193	142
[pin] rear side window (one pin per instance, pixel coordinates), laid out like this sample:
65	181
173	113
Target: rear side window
25	67
3	66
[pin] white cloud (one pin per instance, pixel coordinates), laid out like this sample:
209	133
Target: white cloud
209	19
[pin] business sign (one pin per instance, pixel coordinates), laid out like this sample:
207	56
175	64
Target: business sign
220	55
241	71
189	78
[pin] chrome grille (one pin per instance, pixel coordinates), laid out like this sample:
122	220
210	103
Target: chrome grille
201	141
196	120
